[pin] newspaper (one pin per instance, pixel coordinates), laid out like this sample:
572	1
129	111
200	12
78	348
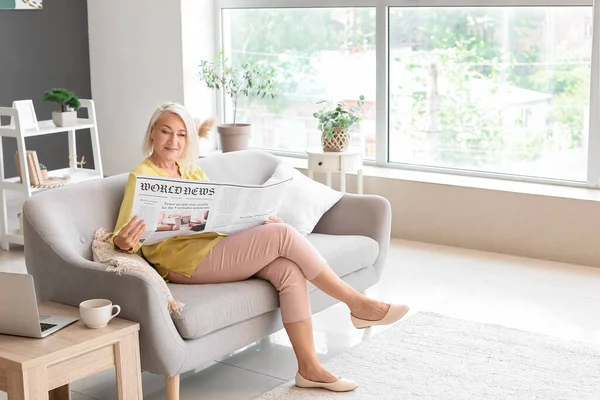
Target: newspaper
174	207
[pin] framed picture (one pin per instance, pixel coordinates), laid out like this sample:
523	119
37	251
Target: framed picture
20	4
27	117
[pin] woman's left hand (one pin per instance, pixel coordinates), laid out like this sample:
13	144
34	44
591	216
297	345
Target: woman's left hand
274	220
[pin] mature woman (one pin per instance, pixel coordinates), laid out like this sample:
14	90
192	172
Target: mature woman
273	251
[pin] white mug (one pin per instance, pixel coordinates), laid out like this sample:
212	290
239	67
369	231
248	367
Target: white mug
96	313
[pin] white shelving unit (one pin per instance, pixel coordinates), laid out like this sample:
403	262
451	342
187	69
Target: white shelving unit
13	192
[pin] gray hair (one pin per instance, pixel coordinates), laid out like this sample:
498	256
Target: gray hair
190	152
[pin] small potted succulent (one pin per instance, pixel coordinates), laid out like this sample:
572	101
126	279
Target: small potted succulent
44	171
69	104
335	123
252	79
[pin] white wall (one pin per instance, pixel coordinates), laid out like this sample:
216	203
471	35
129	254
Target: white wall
136	62
529	225
198	38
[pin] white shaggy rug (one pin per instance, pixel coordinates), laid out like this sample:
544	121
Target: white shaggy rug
430	356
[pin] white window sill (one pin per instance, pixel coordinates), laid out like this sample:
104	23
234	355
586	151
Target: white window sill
539	189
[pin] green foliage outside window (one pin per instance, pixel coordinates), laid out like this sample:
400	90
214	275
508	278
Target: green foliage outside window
466	46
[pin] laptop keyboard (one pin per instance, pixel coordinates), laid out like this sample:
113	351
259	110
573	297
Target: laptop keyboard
45	327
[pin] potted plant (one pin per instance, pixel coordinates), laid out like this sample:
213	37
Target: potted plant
44	171
69	104
250	79
335	123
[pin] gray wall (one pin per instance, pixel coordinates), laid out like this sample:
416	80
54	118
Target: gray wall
41	50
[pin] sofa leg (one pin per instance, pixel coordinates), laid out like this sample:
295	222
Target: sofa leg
173	387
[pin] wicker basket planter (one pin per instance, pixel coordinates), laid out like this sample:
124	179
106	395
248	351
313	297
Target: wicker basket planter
334	124
338	142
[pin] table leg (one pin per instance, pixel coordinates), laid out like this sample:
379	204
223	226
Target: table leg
343	181
61	393
359	176
173	387
31	384
127	362
329	179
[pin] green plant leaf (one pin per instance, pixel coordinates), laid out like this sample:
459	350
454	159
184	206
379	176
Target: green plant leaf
66	98
337	118
249	79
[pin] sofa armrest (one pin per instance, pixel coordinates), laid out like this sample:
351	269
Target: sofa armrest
65	277
365	215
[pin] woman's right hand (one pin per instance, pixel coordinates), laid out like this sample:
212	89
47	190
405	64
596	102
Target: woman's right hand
130	235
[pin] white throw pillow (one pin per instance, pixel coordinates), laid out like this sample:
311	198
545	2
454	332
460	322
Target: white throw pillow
305	200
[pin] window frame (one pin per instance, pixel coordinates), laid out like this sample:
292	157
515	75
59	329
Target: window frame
382	76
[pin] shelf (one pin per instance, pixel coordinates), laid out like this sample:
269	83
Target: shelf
14	236
13	227
14	208
47	127
22	113
12	184
76	176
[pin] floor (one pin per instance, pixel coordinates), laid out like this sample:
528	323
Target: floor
539	296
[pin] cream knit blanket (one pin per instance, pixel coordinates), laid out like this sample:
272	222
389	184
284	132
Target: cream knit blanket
119	262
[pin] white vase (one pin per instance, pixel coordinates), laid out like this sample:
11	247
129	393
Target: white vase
61	119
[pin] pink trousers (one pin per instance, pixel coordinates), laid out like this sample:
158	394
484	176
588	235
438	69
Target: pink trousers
274	252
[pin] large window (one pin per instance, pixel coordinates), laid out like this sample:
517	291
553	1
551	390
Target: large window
498	90
319	54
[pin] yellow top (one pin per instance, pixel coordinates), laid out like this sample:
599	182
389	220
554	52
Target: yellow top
180	254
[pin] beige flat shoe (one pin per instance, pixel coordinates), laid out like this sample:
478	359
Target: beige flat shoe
341	385
395	312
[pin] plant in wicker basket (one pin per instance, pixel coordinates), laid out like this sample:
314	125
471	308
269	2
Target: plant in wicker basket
335	123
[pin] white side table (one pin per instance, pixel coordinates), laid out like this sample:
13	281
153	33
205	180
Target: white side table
342	162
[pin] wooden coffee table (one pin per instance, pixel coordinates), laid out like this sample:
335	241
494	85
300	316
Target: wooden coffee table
36	369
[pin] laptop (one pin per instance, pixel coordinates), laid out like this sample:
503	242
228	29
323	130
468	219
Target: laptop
19	315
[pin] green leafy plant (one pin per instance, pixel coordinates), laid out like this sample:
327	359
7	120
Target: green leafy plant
249	79
67	99
43	167
338	117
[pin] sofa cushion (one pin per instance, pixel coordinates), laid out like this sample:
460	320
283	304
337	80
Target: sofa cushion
345	254
211	307
305	200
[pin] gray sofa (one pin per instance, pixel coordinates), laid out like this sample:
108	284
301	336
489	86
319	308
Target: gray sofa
59	225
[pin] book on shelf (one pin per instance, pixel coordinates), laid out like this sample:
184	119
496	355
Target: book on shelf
36	163
33	177
18	165
33	167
